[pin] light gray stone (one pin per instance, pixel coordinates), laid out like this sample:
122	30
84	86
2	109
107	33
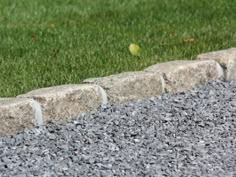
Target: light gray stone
16	114
67	101
129	86
226	58
183	75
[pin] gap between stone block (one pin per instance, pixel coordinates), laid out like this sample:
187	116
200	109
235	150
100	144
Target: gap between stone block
38	113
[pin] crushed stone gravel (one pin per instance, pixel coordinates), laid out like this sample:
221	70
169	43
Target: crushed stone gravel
190	133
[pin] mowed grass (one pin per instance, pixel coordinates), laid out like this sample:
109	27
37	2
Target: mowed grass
45	43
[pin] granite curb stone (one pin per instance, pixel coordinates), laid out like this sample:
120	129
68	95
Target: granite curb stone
37	107
16	114
183	75
227	60
67	101
129	86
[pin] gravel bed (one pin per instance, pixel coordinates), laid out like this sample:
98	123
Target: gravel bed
185	134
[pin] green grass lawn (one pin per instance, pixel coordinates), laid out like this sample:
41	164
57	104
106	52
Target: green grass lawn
45	43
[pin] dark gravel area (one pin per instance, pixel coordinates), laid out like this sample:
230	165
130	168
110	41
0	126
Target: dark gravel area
186	134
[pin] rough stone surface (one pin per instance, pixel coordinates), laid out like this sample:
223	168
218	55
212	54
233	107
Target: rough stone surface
15	114
129	86
226	58
67	101
183	75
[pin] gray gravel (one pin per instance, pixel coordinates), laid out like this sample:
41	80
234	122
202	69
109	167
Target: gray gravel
186	134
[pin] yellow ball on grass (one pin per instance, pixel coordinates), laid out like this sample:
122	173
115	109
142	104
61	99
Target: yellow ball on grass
134	49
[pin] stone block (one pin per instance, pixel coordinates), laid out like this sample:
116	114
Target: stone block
16	114
226	58
183	75
67	101
129	86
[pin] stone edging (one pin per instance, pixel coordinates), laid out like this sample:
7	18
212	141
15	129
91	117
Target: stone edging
67	101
